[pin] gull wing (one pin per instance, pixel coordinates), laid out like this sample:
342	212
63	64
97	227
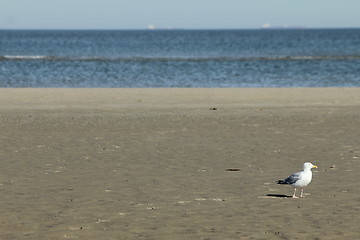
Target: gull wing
293	178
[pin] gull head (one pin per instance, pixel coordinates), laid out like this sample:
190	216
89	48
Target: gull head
308	166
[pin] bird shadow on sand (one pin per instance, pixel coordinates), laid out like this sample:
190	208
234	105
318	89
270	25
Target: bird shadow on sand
278	196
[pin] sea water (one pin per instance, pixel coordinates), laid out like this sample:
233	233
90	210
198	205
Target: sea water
180	58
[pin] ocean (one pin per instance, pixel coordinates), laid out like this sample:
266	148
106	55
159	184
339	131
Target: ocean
180	58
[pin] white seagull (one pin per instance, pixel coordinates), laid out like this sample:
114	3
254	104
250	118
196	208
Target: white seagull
299	179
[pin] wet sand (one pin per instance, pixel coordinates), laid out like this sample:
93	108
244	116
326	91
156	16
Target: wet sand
151	163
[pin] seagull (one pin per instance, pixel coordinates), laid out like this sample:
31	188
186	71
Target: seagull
299	179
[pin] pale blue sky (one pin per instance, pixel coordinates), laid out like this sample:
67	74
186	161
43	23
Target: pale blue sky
189	14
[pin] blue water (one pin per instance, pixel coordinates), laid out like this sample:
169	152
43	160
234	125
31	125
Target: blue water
181	58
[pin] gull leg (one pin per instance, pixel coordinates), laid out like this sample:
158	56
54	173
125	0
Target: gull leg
302	193
294	196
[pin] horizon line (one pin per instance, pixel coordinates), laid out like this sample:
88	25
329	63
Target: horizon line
170	29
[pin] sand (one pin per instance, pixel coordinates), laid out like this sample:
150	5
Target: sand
151	163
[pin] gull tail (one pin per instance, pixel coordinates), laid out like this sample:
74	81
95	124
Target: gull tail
281	182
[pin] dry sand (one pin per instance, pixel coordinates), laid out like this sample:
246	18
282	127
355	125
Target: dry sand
151	163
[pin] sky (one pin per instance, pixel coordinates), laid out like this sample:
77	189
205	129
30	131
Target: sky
187	14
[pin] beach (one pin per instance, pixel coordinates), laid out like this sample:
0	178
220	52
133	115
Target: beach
153	163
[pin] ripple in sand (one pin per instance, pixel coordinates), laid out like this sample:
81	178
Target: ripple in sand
212	199
77	228
218	199
102	220
70	236
200	199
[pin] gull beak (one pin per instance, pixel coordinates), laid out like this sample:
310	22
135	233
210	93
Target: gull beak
314	166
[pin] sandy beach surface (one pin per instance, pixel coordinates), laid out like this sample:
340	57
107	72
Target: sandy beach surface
152	163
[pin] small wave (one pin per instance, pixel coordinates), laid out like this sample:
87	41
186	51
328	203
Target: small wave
7	57
177	59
